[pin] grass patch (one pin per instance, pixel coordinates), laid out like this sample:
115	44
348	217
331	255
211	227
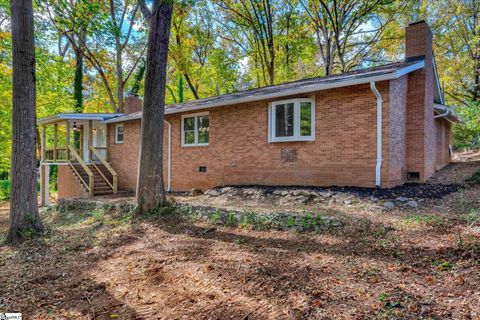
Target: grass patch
425	219
472	218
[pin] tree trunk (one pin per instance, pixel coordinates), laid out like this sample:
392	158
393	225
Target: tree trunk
120	83
78	91
150	189
24	218
78	81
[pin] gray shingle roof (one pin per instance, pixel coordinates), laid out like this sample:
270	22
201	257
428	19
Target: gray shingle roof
385	72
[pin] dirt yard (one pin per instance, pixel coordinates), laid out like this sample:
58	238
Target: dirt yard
404	262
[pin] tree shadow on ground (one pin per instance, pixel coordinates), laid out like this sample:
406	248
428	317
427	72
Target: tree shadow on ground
45	279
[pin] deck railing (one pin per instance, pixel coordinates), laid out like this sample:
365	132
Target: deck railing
79	160
58	155
97	156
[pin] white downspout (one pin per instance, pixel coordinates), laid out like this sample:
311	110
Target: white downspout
446	113
378	167
169	155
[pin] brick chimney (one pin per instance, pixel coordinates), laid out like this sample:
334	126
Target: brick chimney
133	104
418	41
420	123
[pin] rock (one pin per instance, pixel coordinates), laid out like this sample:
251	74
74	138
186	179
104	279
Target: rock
196	192
302	199
347	202
325	194
282	193
389	205
402	199
287	199
212	193
226	190
249	192
412	204
301	193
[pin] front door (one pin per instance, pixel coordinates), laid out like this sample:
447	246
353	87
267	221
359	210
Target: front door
99	139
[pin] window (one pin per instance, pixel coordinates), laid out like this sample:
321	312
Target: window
195	129
291	120
119	133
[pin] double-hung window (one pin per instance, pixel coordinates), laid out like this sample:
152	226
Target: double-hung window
291	120
119	133
195	129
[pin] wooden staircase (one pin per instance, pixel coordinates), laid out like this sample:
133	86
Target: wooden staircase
97	178
100	186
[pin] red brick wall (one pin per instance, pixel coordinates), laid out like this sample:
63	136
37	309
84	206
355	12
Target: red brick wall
443	130
124	156
343	153
68	184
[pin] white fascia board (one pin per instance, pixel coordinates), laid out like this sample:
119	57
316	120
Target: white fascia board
48	119
76	116
419	65
124	118
437	80
288	92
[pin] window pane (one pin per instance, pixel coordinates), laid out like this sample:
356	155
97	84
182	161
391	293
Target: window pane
305	119
119	134
189	137
203	129
189	124
284	120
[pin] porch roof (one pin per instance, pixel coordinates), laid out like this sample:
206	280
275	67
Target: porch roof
78	116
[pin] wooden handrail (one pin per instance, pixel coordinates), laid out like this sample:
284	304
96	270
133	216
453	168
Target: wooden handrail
79	159
114	184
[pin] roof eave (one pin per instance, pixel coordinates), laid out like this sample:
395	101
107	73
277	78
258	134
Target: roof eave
79	117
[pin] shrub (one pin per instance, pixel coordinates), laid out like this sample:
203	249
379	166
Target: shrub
474	178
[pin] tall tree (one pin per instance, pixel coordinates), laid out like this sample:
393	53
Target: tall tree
73	20
24	216
150	188
253	23
346	30
103	33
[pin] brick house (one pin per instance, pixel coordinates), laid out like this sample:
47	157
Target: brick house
380	126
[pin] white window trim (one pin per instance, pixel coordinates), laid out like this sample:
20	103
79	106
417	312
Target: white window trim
195	115
296	121
116	133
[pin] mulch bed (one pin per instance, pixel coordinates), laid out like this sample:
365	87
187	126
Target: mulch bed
409	190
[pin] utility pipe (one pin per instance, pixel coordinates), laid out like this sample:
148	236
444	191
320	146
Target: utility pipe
169	154
378	167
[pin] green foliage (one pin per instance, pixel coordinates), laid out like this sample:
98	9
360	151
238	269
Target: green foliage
4	189
467	135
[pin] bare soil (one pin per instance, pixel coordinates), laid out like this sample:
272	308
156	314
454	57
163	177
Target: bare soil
404	263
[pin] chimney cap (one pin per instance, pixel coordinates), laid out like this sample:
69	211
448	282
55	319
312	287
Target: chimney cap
418	22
